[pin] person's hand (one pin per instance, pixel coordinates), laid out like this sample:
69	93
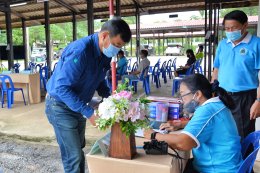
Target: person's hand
255	110
93	119
147	133
171	126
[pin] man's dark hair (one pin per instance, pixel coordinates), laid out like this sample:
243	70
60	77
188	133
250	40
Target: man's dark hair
121	52
201	47
237	15
117	26
144	52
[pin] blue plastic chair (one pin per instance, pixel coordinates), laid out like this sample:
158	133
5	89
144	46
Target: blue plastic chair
129	64
163	71
144	79
156	75
31	65
174	64
248	163
9	91
253	138
44	76
54	67
177	80
168	69
189	71
197	66
134	68
16	67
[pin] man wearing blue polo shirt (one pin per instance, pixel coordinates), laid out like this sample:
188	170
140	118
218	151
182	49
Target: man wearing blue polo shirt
79	73
236	66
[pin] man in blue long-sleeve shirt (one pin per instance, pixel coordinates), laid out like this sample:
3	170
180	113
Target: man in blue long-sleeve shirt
79	73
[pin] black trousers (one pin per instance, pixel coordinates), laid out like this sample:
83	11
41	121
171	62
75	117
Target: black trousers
189	167
241	113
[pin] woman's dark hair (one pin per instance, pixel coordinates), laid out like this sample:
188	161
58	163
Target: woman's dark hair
198	82
190	51
144	52
117	26
121	52
237	15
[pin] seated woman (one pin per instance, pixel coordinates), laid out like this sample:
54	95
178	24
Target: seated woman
191	60
211	133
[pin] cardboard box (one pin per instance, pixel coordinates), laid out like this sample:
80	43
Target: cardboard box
142	163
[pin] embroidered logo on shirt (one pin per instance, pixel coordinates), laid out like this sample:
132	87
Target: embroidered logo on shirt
243	51
75	60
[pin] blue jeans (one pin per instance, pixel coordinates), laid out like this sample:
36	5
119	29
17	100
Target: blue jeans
69	127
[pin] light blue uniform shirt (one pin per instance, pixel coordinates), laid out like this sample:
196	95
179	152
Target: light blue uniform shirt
121	64
238	65
218	143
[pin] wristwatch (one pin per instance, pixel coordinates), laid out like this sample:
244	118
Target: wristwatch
153	135
258	99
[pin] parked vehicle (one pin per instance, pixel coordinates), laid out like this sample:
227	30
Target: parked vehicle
149	48
174	49
38	52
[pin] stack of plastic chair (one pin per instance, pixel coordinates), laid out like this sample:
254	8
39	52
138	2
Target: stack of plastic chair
168	68
8	90
163	71
144	79
177	80
16	67
156	75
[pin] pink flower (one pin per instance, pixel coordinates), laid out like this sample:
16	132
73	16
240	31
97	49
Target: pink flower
134	111
123	94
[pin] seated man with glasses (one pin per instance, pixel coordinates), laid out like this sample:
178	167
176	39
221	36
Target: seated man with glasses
211	134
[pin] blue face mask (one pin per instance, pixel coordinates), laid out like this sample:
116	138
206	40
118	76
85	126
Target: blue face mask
234	35
111	50
191	106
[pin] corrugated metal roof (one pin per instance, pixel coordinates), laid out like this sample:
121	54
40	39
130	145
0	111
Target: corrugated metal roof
33	12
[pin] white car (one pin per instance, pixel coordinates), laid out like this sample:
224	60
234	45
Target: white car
174	49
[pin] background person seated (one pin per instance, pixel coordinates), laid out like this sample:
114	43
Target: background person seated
200	54
143	64
121	66
121	63
191	60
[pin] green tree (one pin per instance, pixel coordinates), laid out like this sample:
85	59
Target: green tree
194	17
250	11
17	36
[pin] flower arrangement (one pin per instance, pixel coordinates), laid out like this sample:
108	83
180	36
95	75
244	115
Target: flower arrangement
122	108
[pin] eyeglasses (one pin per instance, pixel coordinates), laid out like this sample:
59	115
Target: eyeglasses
181	96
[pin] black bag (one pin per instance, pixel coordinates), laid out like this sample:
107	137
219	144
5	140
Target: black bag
156	147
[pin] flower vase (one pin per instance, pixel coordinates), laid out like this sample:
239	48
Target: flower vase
121	146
